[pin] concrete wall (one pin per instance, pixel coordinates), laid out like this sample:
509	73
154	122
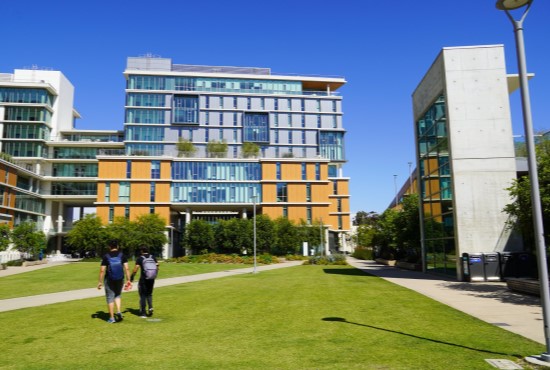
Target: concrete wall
473	80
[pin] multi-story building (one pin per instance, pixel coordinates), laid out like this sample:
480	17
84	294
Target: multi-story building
200	142
465	155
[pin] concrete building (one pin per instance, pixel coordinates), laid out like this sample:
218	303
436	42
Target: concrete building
465	154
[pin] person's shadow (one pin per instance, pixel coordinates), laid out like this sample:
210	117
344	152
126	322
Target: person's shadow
104	316
133	311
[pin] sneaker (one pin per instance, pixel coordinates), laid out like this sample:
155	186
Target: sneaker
151	311
142	315
111	321
118	316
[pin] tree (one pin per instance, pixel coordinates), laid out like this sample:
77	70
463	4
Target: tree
185	148
519	210
265	234
199	236
250	149
364	236
217	149
126	233
150	231
27	239
5	237
88	234
407	228
385	239
235	236
363	218
287	237
310	233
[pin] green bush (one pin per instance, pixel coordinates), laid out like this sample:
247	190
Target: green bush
362	253
15	263
265	259
333	259
295	257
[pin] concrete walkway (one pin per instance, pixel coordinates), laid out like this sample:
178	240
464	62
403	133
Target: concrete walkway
44	299
489	301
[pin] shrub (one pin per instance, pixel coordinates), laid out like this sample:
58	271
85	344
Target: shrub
15	263
264	259
362	253
295	257
333	259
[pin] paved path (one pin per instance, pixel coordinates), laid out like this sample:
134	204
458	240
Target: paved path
43	299
491	302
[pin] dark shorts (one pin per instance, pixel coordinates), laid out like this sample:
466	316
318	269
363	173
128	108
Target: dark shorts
113	289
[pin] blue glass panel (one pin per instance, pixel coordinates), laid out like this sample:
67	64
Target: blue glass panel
256	127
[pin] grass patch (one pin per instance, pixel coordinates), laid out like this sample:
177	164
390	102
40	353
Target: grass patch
304	317
81	275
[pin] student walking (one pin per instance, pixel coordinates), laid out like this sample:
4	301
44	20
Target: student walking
149	270
114	266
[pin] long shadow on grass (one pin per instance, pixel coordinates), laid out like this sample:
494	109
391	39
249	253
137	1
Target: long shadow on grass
341	319
347	271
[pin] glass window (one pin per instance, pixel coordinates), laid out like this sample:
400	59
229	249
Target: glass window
155	169
304	171
317	171
186	109
308	192
256	127
308	215
282	192
107	191
331	145
152	192
278	170
124	191
207	101
128	169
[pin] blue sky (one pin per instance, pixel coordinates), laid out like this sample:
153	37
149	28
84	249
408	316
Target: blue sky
382	48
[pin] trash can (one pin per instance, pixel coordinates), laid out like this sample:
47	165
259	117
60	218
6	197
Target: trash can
507	266
491	263
465	267
526	265
476	266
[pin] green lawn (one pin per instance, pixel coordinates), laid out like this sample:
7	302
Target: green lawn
80	275
304	317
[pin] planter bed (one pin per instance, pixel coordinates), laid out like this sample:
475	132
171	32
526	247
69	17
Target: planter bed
528	286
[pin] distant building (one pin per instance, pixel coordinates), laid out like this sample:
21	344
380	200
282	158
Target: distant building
199	142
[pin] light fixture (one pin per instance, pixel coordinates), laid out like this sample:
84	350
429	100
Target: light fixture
512	4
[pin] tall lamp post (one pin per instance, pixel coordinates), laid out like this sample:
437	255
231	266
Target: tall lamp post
508	5
254	214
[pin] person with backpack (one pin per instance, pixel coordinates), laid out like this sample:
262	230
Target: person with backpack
149	271
114	266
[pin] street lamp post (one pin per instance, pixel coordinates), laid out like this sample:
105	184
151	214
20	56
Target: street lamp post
254	214
508	5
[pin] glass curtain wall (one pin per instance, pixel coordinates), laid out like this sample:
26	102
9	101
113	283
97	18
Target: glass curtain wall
436	190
